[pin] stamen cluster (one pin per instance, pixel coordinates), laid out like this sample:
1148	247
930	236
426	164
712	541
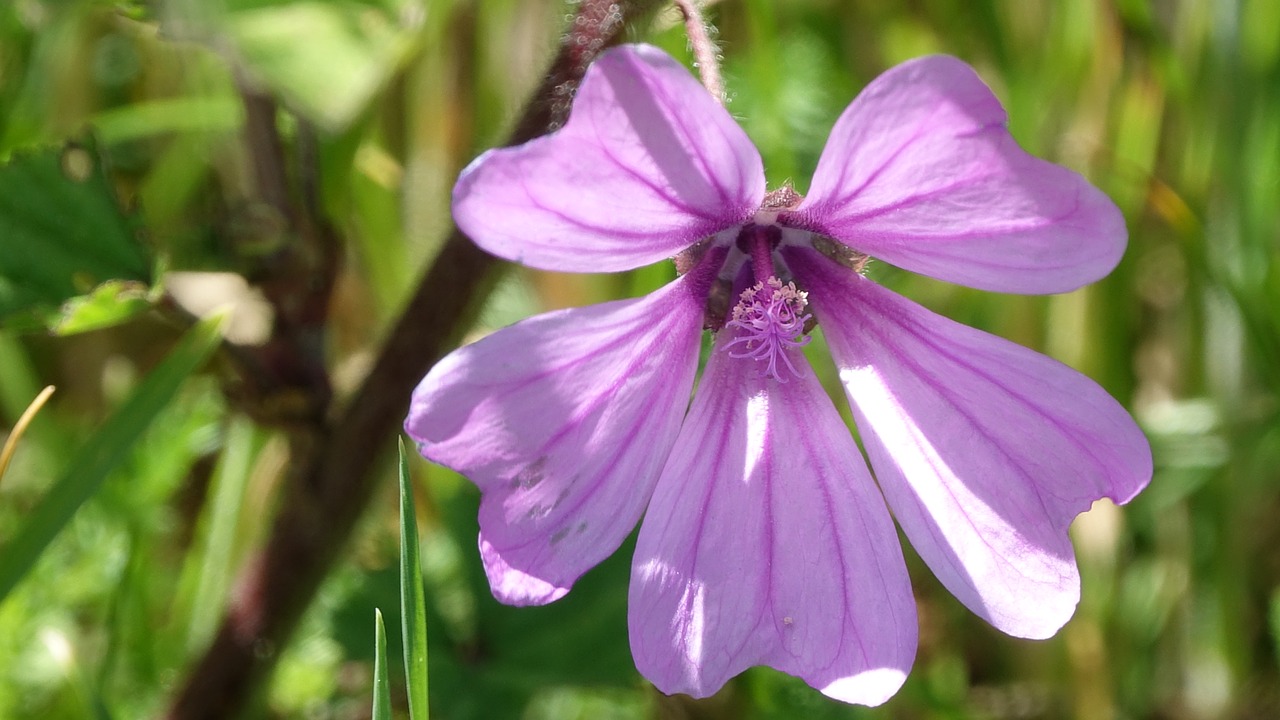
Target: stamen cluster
770	320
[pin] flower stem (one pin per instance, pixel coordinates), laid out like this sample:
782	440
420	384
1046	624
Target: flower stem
705	53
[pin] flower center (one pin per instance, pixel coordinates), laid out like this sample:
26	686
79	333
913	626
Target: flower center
769	320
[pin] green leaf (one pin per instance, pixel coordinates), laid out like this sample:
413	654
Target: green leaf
381	679
111	303
63	232
412	603
105	450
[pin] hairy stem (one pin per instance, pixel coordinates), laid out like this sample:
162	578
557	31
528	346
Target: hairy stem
705	53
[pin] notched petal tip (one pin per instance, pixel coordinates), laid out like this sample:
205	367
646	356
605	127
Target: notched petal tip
985	450
647	164
921	172
767	543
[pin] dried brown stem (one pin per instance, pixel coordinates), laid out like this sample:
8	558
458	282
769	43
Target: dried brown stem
332	480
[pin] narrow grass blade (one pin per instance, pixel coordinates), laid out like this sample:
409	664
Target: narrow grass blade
381	677
212	561
412	602
109	445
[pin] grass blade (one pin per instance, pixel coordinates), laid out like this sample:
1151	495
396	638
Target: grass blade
412	603
109	445
381	677
211	563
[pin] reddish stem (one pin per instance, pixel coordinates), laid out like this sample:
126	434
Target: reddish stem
705	53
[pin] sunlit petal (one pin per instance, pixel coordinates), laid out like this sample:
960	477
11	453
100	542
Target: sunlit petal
563	421
920	171
767	543
647	165
985	450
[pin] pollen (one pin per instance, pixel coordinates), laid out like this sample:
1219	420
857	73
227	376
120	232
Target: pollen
769	319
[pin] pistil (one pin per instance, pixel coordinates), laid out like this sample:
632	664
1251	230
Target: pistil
769	318
758	242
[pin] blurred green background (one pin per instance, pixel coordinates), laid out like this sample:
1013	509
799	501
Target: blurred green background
121	135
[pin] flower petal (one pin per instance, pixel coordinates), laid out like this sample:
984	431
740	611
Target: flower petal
563	421
766	543
647	165
985	450
920	171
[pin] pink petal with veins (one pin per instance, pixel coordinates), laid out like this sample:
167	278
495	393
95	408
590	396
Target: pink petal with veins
563	421
920	171
767	543
985	450
647	165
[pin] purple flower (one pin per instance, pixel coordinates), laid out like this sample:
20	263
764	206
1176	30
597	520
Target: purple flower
765	539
